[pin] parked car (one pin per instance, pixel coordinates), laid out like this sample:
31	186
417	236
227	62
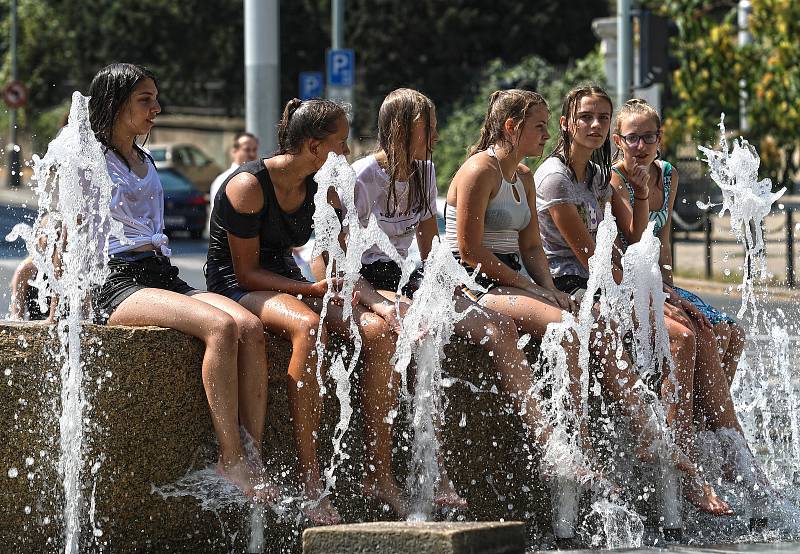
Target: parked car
189	160
185	207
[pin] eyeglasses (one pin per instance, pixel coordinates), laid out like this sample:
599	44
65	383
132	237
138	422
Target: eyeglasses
649	138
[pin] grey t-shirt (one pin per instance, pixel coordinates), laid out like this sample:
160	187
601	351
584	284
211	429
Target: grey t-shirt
555	185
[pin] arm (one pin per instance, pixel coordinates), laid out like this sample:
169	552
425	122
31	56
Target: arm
245	196
575	233
426	230
631	220
530	241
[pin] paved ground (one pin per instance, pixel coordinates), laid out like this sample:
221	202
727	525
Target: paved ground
784	548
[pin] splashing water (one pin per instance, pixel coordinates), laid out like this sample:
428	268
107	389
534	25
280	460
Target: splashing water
336	174
747	200
74	189
427	327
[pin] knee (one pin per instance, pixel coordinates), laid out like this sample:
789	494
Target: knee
251	330
375	330
223	328
304	334
500	332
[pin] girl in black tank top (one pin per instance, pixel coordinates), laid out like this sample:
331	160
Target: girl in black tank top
260	213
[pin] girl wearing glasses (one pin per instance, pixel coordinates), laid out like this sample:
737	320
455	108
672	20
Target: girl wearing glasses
640	178
572	188
640	175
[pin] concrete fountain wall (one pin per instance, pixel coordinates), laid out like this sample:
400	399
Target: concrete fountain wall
149	425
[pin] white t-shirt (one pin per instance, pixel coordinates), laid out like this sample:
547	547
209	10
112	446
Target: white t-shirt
212	194
371	192
137	203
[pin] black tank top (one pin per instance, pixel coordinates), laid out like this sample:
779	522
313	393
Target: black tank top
277	231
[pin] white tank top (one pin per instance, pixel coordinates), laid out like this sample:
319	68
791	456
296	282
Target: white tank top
505	217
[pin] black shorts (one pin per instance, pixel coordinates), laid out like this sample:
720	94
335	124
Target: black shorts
132	271
511	260
387	275
221	276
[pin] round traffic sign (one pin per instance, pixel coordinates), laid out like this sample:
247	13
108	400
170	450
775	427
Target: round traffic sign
15	94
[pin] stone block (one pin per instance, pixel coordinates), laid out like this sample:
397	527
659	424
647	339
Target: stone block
148	425
417	538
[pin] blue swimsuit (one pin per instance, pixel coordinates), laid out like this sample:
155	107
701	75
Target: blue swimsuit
660	217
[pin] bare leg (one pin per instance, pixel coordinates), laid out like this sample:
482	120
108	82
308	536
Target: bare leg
296	321
732	341
252	365
219	332
381	387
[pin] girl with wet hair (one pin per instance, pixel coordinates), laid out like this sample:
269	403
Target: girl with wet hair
397	185
143	288
263	210
642	181
638	167
491	221
572	190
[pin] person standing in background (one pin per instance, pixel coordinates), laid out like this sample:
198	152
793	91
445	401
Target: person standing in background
244	149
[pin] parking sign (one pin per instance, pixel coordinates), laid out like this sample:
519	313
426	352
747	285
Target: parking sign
341	67
312	85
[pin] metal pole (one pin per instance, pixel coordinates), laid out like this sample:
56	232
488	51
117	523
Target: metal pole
708	230
262	70
624	50
790	247
745	38
15	152
337	24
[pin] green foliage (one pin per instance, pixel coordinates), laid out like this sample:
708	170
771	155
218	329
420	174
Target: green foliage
463	125
712	65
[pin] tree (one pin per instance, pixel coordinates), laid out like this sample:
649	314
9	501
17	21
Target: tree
712	65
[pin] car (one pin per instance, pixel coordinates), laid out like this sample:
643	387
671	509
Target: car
185	207
188	159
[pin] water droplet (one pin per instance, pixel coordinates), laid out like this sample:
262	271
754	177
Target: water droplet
27	509
12	473
29	461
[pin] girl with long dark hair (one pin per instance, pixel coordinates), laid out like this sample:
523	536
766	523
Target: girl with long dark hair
143	288
261	212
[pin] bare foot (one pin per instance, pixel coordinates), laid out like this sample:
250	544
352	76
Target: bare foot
447	496
241	475
703	496
320	511
388	492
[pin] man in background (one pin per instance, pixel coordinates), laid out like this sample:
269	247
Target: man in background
244	149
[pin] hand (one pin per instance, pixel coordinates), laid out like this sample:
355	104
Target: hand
554	297
320	288
677	314
695	313
388	311
639	178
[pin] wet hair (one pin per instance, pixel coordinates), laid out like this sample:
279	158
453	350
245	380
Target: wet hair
634	106
400	110
514	104
239	135
569	110
110	90
307	119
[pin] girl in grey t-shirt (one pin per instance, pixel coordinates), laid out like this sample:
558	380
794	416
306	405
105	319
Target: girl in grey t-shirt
572	189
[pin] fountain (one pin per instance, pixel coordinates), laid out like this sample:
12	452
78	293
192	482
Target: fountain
125	441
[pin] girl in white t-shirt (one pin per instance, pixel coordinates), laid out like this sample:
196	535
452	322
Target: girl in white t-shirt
397	184
143	288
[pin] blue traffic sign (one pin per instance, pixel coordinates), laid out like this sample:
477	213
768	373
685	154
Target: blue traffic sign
341	67
312	85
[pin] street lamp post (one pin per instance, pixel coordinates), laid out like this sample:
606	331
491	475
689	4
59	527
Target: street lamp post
262	70
15	152
624	51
